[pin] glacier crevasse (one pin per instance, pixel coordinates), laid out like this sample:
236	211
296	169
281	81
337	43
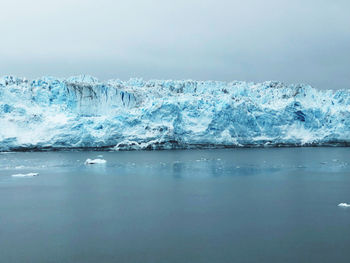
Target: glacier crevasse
82	112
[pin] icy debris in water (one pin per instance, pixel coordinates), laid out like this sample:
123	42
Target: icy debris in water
25	175
19	167
202	160
100	156
95	161
344	205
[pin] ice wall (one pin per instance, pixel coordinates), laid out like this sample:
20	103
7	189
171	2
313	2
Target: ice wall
82	112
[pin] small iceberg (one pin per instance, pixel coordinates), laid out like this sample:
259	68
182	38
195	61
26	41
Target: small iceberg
95	161
25	175
344	205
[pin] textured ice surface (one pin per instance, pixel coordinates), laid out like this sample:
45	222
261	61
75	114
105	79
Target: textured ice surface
82	112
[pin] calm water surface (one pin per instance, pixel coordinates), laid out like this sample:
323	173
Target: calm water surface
236	205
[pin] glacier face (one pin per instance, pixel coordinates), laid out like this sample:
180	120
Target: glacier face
82	112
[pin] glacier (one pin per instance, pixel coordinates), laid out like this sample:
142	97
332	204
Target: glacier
82	112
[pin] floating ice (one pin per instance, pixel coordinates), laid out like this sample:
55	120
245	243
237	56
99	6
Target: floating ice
82	112
344	205
95	161
25	175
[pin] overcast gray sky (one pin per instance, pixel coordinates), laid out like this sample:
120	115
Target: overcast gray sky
293	41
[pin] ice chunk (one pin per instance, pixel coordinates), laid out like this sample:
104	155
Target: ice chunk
344	205
95	161
25	175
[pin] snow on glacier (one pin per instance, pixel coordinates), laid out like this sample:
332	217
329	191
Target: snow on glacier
82	112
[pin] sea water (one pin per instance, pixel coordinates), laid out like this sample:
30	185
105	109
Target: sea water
229	205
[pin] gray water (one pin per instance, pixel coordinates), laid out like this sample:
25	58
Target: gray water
234	205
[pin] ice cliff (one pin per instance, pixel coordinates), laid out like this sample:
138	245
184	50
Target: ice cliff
82	112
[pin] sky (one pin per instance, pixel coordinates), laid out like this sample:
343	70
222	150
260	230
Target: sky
252	40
